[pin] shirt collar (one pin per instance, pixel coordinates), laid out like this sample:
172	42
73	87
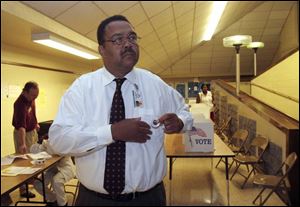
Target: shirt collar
108	77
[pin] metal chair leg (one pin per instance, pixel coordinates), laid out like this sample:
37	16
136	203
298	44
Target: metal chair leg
219	162
259	195
247	178
237	167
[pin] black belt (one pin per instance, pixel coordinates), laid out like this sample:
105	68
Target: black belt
122	197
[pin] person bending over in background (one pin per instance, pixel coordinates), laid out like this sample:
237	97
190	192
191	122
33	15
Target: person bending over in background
25	123
57	175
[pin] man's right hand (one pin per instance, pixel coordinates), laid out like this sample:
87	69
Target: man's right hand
23	149
131	130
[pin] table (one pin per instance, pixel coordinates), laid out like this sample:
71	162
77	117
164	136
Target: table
9	184
176	149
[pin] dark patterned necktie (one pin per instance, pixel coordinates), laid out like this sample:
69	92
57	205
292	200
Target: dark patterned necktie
114	175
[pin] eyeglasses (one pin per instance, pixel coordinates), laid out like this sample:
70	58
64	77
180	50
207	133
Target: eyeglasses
120	40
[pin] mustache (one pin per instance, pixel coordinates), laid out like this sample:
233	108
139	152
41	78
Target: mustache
128	50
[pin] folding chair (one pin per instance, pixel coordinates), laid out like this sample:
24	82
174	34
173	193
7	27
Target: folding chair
73	185
224	126
76	190
236	143
252	156
279	181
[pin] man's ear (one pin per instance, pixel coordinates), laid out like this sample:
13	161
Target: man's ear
101	50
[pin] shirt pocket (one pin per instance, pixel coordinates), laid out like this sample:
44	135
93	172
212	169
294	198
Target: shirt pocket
149	116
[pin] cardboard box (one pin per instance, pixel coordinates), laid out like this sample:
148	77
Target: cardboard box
200	138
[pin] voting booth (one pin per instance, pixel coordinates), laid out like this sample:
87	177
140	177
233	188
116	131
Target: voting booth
201	137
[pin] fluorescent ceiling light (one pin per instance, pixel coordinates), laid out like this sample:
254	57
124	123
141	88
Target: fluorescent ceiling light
241	40
60	44
214	18
256	45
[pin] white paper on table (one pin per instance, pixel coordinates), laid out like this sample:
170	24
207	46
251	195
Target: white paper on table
39	155
13	171
30	170
7	160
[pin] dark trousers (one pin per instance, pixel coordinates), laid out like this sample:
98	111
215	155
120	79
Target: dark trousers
154	197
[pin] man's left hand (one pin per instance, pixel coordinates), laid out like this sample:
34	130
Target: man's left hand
171	122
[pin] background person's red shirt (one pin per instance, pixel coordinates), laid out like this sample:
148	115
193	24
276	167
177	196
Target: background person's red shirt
24	114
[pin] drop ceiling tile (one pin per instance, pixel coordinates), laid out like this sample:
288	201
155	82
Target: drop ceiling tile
185	42
184	19
185	29
220	66
183	7
203	9
144	29
200	67
114	7
251	32
272	31
174	57
265	7
253	16
172	44
279	14
272	38
84	11
151	48
93	34
149	39
166	29
153	8
163	18
135	14
230	52
271	46
200	60
170	37
50	8
223	60
253	24
283	5
187	36
166	72
275	23
197	54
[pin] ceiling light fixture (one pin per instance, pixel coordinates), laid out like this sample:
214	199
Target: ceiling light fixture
214	18
255	46
58	43
237	41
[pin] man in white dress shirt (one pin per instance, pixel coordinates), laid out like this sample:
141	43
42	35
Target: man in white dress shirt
82	126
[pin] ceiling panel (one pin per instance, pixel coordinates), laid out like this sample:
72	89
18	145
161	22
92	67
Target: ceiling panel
84	11
144	29
135	14
170	32
183	7
114	7
163	18
51	8
153	8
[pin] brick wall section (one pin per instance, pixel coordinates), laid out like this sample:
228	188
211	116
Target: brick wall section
272	156
216	101
233	112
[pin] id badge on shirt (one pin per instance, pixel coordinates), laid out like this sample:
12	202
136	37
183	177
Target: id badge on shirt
137	97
